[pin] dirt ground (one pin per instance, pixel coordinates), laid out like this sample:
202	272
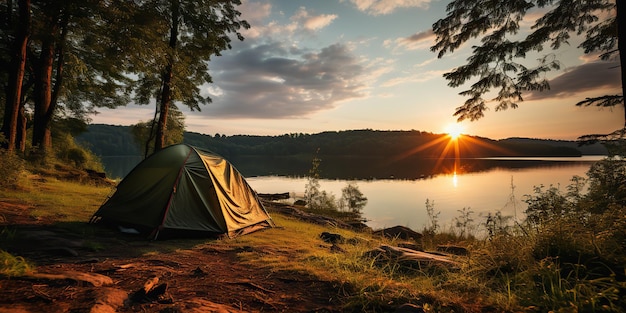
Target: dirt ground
76	275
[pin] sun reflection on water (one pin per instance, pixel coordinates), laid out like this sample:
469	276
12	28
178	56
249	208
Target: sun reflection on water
455	180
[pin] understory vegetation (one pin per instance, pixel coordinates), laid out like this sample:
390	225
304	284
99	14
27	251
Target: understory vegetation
352	200
567	255
66	153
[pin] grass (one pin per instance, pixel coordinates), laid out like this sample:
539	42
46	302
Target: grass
293	246
13	265
61	200
503	274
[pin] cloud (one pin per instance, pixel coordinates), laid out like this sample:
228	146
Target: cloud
254	13
382	7
585	78
312	22
302	21
275	81
420	40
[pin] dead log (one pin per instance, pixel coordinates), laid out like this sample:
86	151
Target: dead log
410	260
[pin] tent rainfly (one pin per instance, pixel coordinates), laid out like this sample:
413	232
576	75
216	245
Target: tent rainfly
184	188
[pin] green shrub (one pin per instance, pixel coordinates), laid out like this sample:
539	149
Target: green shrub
352	199
67	151
11	170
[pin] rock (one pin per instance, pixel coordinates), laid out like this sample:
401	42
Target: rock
399	232
331	238
360	226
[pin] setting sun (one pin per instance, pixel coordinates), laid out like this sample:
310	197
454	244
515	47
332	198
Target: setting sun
454	130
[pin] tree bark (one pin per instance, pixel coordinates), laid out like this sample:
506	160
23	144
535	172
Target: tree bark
42	137
46	94
166	91
16	76
20	142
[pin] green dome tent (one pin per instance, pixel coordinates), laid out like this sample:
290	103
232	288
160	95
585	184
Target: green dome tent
184	188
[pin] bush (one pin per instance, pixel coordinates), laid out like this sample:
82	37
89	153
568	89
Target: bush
352	198
11	169
69	152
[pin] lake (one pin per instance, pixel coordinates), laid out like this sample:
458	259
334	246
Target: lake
397	196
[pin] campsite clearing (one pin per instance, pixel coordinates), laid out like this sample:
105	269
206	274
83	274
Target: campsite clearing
57	262
197	275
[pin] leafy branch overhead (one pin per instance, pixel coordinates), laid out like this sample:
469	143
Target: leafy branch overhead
497	60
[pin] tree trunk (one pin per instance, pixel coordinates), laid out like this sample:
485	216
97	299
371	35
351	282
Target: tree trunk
16	76
166	99
166	91
42	137
20	142
46	96
621	46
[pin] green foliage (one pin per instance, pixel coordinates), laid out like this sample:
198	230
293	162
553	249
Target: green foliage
67	151
465	223
352	199
315	198
109	140
369	145
11	170
574	289
497	225
569	255
607	184
497	60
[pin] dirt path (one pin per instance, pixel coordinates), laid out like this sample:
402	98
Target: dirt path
201	278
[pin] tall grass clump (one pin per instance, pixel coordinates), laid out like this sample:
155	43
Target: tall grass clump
567	255
570	252
11	266
11	169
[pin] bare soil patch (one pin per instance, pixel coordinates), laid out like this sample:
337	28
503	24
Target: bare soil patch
195	278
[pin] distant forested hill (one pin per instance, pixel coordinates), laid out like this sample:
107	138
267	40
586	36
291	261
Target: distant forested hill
108	140
595	149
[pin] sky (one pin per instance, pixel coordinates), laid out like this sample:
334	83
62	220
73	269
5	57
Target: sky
333	65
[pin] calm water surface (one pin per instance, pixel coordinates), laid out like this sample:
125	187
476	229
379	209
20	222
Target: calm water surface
402	202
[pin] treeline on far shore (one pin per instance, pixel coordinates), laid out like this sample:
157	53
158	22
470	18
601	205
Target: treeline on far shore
110	140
